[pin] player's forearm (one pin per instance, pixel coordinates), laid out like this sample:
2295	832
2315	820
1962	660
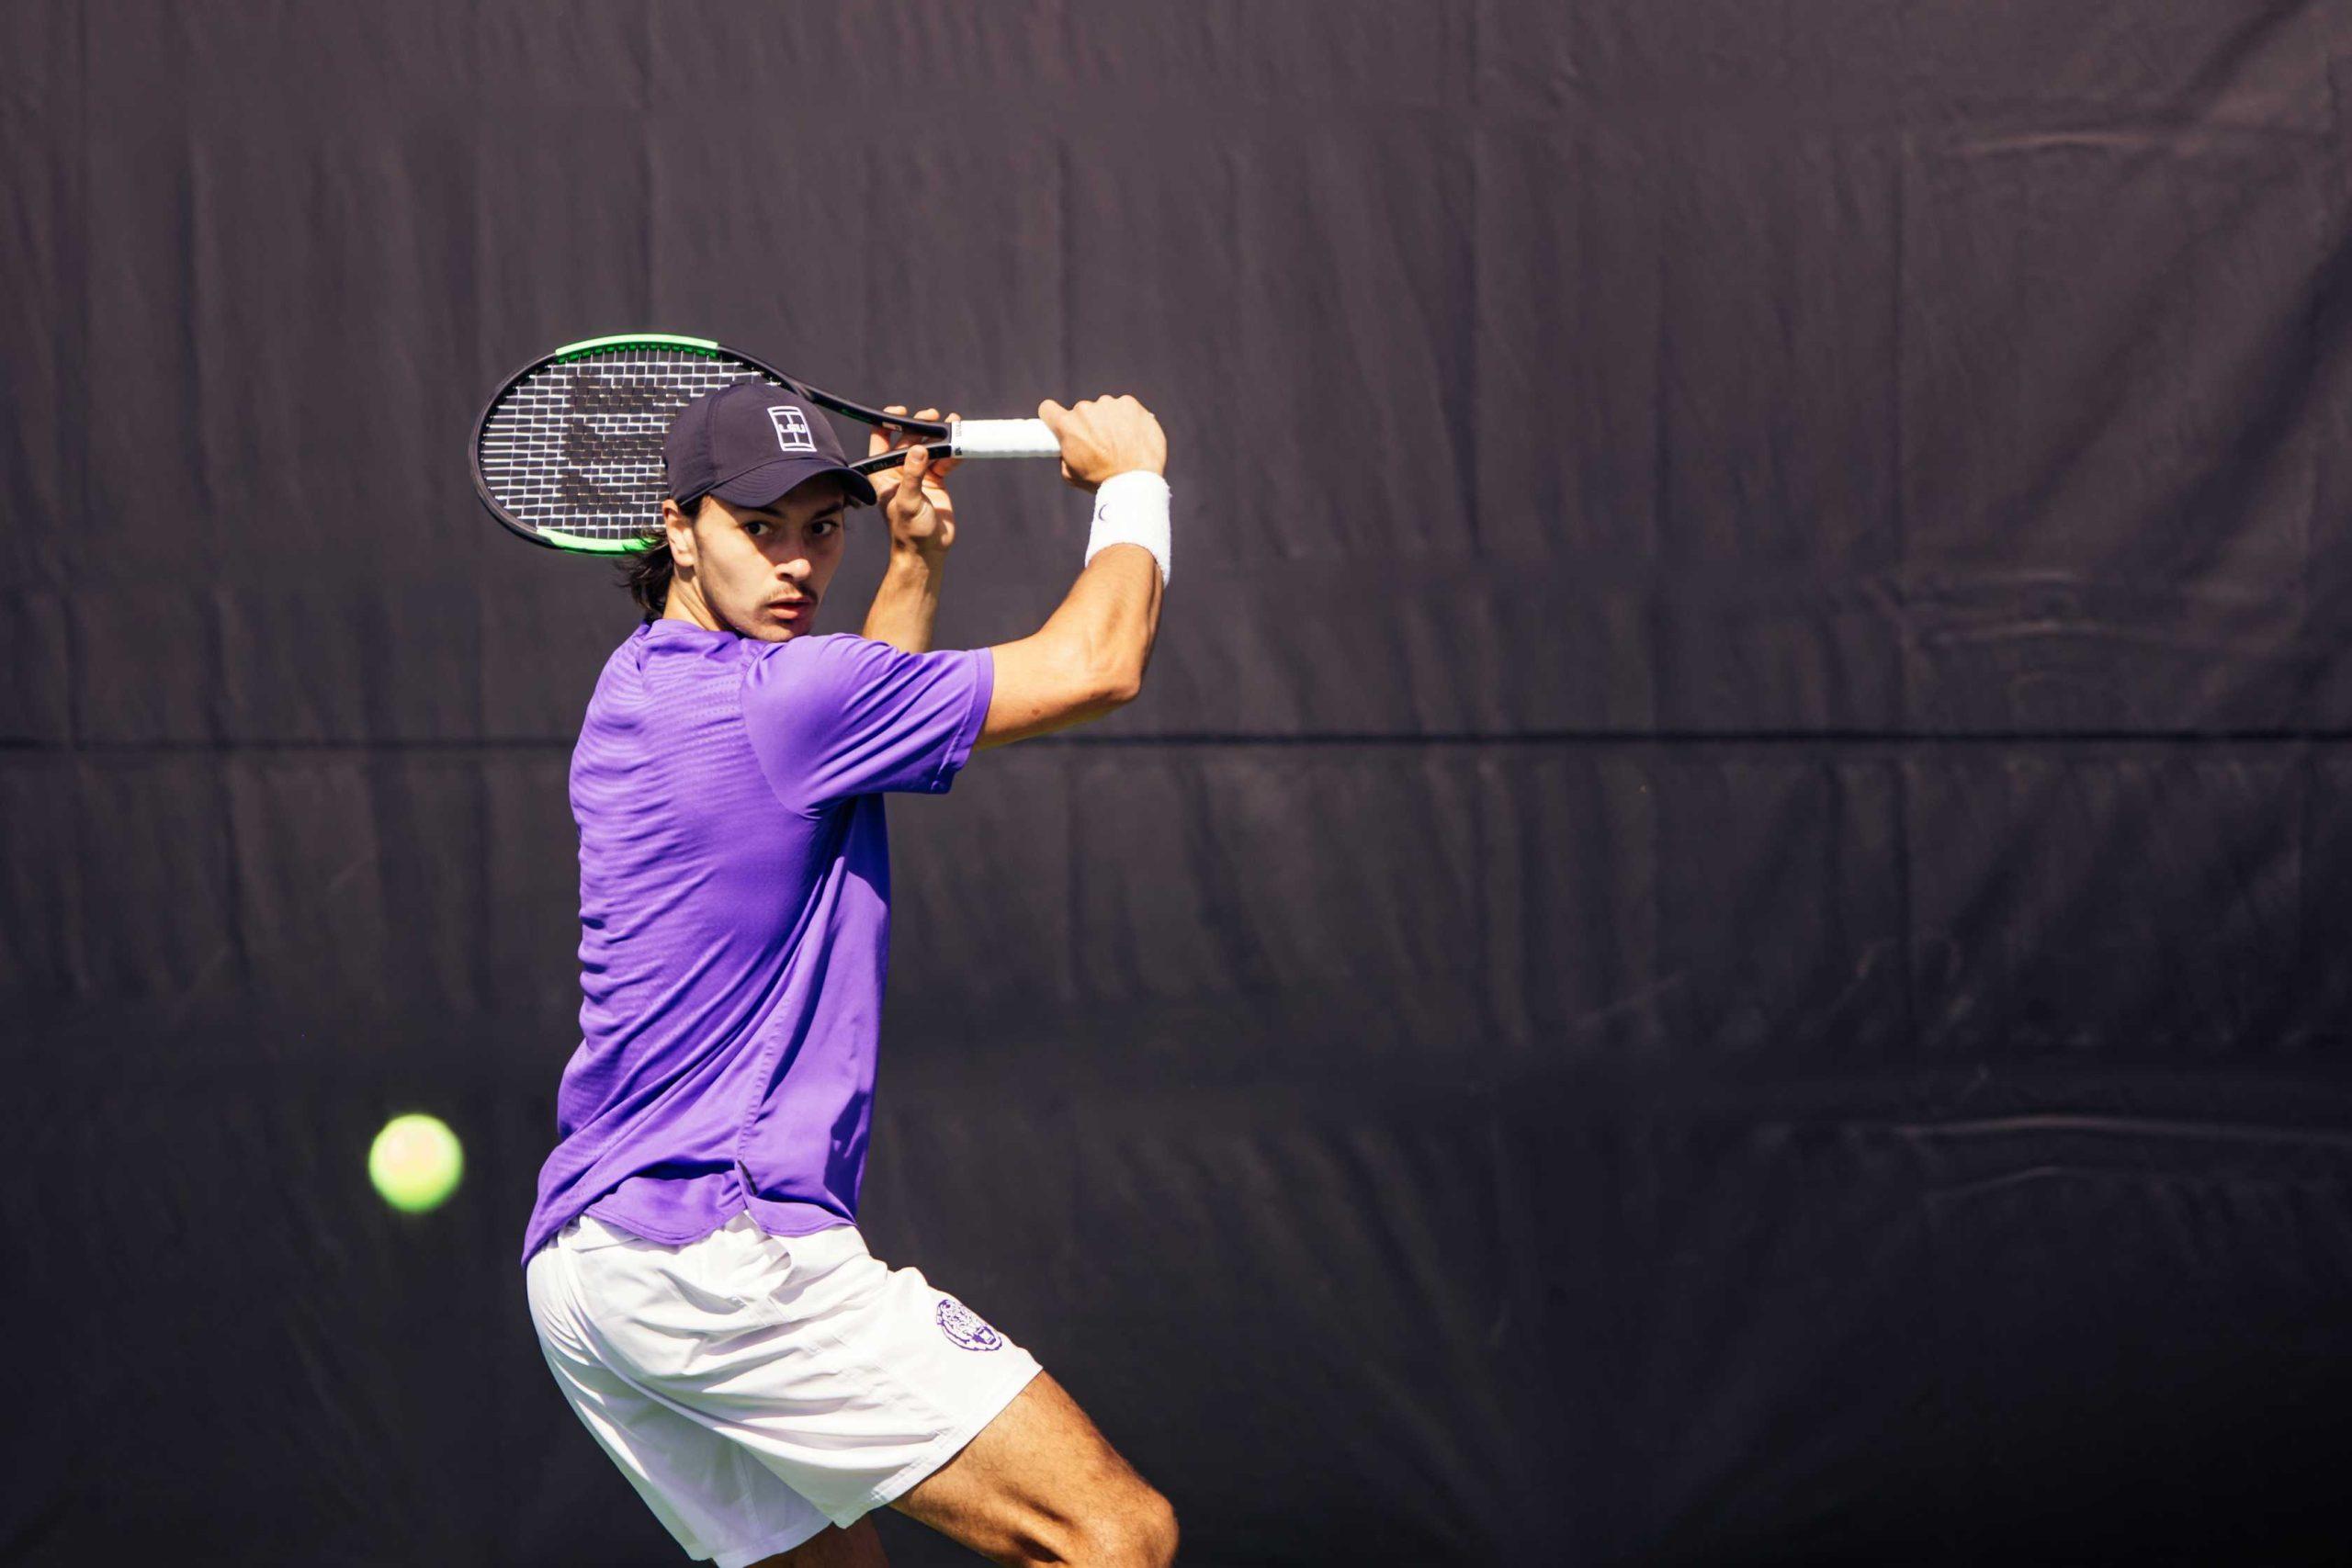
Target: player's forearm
908	602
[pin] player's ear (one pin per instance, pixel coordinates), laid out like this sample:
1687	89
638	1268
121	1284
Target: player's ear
678	524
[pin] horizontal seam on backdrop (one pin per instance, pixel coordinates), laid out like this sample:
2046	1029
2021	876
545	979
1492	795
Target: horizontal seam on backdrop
1328	737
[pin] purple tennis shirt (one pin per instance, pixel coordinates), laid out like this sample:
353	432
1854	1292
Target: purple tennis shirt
735	921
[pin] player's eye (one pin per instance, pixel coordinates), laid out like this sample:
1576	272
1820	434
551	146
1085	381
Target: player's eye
828	524
755	526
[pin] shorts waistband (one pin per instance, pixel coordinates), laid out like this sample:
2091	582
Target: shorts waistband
587	1232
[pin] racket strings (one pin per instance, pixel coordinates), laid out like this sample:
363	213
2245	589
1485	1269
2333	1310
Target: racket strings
575	448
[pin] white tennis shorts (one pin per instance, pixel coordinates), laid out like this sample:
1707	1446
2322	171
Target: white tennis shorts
754	1388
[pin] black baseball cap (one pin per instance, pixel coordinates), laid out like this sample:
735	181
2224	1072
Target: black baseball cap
748	443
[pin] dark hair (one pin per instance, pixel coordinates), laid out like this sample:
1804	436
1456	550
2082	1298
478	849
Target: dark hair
646	573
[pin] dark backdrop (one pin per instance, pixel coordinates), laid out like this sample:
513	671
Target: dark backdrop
1719	938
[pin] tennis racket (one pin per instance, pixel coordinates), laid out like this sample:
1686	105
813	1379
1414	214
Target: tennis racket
569	453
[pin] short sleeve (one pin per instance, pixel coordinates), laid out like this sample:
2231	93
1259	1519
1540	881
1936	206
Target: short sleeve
838	715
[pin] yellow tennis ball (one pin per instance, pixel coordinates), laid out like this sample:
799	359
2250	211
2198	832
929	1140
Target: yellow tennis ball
415	1162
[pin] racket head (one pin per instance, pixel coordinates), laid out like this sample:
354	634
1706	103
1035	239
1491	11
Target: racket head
568	452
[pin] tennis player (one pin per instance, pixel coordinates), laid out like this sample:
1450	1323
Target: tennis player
694	1264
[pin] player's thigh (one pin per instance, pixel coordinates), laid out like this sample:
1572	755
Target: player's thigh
1041	1482
856	1547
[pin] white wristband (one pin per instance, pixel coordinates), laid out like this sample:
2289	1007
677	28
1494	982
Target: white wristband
1132	509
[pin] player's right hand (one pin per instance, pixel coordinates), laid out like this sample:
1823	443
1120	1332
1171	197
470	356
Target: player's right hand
1107	435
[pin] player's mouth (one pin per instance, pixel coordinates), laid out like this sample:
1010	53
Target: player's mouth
793	606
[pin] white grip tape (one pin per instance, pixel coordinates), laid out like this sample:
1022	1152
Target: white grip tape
1132	509
1004	438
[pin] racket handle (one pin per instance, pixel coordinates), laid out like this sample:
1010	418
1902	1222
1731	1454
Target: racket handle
1005	438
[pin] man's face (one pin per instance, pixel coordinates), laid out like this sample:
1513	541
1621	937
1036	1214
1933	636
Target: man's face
759	570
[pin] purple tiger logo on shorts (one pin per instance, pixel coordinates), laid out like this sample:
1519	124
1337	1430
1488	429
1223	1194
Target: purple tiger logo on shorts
963	1325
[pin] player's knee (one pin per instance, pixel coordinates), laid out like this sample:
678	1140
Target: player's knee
1142	1535
1157	1532
1138	1533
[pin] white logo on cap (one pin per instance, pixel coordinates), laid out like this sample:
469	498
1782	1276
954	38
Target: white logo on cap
791	429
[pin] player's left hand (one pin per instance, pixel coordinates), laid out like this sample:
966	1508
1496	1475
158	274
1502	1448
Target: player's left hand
922	513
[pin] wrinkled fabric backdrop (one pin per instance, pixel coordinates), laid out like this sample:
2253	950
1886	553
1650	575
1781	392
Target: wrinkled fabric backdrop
1721	936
